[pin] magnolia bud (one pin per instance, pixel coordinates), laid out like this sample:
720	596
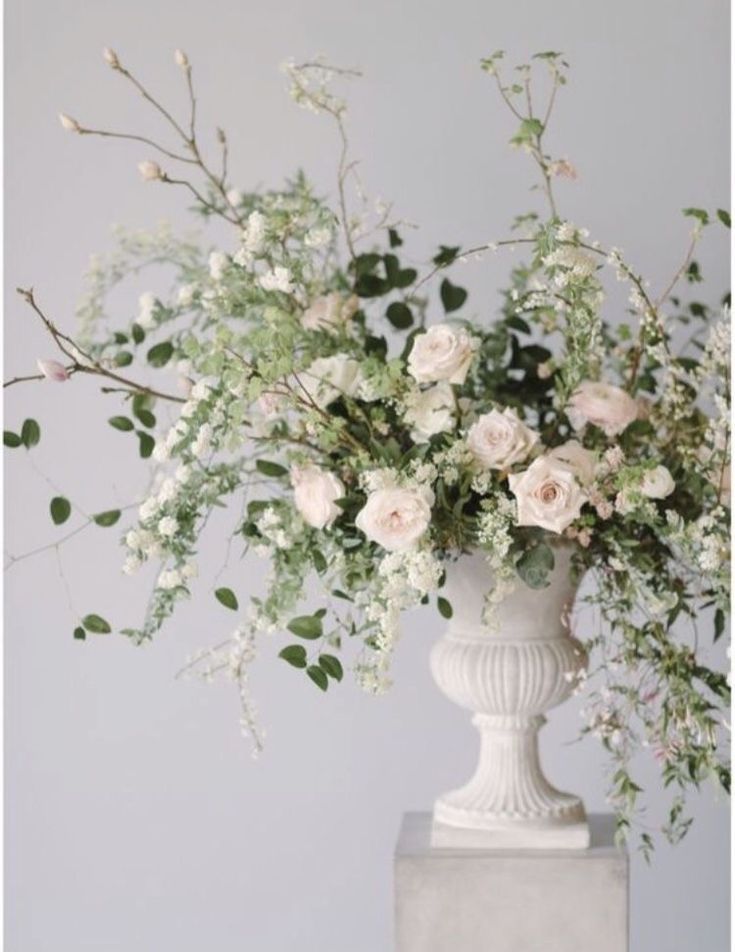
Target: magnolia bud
181	59
52	370
110	57
151	171
71	125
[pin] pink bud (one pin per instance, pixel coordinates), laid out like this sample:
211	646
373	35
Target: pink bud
53	370
69	123
150	171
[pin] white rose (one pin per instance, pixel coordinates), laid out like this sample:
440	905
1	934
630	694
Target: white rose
582	462
497	440
548	495
396	518
329	312
608	407
330	377
657	483
441	353
315	492
431	411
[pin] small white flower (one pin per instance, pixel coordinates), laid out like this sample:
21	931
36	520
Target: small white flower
330	312
202	444
111	57
254	234
278	279
200	391
168	490
327	378
161	451
52	370
147	305
234	196
317	238
218	264
168	527
181	59
185	296
183	474
131	564
71	125
169	579
190	570
150	171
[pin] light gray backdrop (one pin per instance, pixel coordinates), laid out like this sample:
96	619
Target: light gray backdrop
136	819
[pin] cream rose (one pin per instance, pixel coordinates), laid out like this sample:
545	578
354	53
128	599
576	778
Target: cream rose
497	440
441	353
430	411
315	492
329	377
608	407
657	483
548	495
396	518
582	462
329	312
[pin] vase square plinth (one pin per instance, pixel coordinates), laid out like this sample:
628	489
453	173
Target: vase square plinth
469	897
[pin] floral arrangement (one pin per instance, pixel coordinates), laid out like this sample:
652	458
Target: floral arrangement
370	429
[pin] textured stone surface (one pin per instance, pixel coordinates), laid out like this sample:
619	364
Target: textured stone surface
480	900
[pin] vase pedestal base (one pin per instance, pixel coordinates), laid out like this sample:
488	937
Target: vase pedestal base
571	835
468	897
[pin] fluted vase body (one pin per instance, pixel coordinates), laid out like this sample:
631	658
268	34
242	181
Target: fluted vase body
509	674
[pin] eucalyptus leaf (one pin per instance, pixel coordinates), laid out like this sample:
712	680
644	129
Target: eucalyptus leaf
226	597
60	509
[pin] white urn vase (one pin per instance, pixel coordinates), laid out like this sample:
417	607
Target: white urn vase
508	675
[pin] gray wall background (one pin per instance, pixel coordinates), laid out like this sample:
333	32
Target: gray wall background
136	819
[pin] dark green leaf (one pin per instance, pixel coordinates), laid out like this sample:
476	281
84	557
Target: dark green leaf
160	354
446	255
719	623
96	624
226	597
121	423
295	655
11	440
445	608
332	666
138	333
724	217
123	358
60	509
146	444
79	633
405	277
338	593
453	297
30	433
120	338
145	417
698	213
535	564
394	238
306	626
320	563
318	676
268	468
107	518
399	315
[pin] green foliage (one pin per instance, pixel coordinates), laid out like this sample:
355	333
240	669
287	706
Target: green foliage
453	297
60	509
318	676
160	354
226	597
107	518
30	433
306	626
445	607
331	666
295	655
96	625
11	440
123	423
535	565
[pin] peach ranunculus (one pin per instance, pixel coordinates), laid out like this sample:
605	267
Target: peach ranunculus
548	495
602	404
395	517
441	353
315	492
498	440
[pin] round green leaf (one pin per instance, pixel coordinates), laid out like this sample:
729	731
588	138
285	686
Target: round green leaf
295	655
147	444
160	354
107	518
60	509
30	434
96	624
121	423
145	417
318	676
331	666
452	296
445	608
306	626
79	633
399	314
268	468
226	597
11	440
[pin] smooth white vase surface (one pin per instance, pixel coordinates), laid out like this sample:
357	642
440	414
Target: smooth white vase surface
508	675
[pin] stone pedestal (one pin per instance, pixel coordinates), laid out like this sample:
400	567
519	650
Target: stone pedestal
474	899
